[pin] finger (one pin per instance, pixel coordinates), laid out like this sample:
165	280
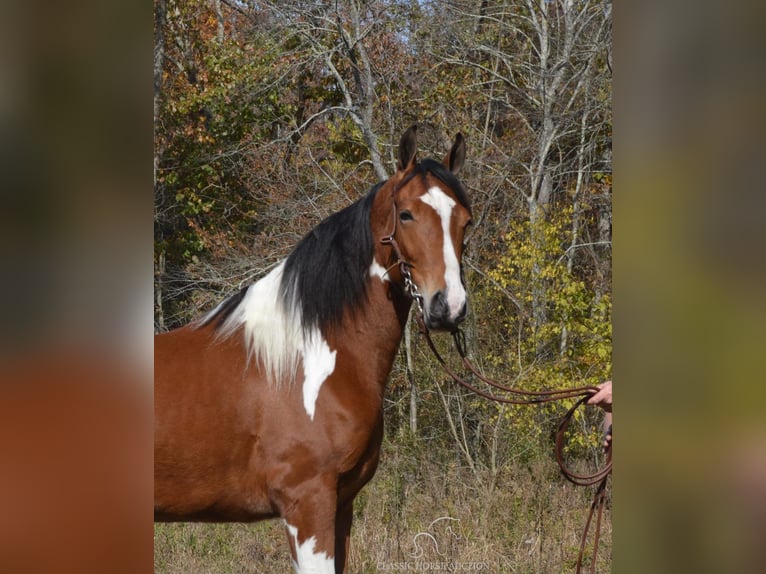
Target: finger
597	398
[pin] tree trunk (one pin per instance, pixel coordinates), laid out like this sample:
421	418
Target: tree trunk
362	112
411	378
219	20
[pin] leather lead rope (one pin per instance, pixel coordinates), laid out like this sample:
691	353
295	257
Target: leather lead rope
600	477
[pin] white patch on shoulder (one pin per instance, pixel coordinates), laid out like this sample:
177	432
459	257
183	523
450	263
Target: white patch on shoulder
455	292
377	270
307	561
318	364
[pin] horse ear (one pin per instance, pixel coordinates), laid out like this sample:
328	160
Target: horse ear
408	147
453	161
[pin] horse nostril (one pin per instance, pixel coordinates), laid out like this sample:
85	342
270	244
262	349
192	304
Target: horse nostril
439	308
463	312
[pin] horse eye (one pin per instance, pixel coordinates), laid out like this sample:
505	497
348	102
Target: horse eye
405	216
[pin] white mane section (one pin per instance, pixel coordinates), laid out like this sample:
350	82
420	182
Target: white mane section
273	334
275	337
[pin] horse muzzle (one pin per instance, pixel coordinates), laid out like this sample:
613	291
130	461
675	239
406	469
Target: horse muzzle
442	313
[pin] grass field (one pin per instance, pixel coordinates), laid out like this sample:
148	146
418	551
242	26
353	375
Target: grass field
418	514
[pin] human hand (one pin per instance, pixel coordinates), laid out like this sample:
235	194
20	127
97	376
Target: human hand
603	398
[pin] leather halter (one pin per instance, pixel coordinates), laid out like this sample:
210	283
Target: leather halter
404	266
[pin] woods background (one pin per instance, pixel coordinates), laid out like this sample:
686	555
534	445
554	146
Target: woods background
269	116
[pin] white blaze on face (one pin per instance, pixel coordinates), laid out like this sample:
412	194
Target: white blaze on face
307	561
455	292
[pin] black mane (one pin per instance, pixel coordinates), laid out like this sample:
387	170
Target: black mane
327	271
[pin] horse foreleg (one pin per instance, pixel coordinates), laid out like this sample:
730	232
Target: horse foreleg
310	524
343	536
308	557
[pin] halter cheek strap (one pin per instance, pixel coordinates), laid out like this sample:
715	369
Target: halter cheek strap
404	266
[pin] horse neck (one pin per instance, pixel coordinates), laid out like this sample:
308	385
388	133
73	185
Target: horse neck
387	307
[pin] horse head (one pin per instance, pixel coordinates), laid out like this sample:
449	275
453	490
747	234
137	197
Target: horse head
431	213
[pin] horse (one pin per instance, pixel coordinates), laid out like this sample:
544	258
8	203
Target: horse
271	404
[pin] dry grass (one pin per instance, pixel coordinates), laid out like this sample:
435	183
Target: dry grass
418	513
